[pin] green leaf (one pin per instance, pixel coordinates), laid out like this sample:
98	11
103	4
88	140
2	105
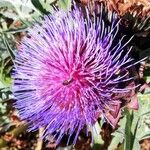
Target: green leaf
16	30
17	10
39	6
48	4
146	136
118	138
96	134
141	119
65	4
8	47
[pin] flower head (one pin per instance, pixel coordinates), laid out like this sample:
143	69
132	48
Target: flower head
67	72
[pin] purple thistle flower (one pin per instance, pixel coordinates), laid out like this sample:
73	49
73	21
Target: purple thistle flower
67	71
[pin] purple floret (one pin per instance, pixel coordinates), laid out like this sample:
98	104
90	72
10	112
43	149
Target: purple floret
67	71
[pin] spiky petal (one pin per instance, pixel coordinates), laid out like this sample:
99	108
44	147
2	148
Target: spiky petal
67	71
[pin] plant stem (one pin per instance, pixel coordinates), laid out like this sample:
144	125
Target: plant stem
40	141
128	134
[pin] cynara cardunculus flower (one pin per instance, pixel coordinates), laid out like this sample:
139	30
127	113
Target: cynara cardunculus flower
67	73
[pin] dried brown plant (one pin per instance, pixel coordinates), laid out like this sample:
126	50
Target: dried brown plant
124	6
